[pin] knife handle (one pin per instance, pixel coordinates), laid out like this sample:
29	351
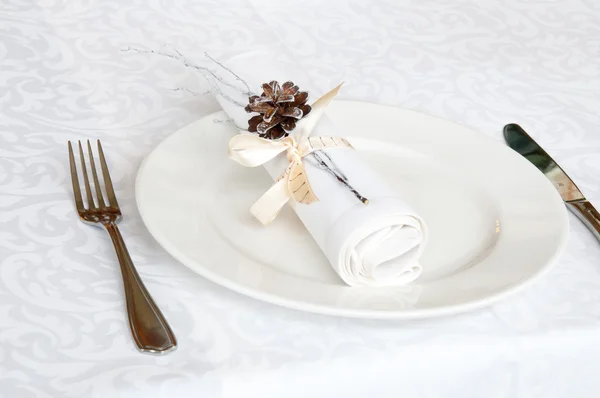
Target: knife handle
587	214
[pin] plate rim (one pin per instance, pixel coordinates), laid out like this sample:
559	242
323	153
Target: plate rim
396	314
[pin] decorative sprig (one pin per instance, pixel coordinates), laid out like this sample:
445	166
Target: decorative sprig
335	172
210	76
215	80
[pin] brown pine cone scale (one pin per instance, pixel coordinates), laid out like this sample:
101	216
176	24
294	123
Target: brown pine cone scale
278	108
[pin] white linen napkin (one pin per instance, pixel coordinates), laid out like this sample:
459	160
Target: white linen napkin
378	244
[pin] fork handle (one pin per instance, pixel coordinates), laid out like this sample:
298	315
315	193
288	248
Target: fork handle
150	330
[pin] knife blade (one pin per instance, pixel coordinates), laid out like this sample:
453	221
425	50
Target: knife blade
520	141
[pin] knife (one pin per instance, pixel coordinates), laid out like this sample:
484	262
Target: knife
520	141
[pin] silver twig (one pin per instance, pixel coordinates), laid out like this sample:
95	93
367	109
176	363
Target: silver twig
249	91
187	90
206	73
334	166
229	121
332	170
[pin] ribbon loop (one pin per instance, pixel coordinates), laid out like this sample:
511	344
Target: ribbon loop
250	150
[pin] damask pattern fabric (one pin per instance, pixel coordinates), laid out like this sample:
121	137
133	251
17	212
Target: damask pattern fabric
64	75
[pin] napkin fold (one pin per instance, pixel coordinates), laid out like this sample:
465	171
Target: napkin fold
378	244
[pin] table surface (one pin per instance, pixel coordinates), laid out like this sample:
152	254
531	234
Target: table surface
64	76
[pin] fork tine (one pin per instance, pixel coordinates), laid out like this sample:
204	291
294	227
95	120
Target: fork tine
112	199
75	181
86	180
95	176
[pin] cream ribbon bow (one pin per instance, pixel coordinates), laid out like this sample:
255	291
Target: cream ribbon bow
250	150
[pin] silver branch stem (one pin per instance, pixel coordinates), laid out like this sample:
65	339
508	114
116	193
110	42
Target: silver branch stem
205	72
334	171
249	91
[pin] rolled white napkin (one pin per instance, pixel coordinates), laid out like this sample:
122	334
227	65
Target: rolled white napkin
378	244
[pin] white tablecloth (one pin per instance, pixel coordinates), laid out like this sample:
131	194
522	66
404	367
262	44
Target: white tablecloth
63	328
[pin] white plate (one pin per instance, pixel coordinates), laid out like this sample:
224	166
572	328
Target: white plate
495	222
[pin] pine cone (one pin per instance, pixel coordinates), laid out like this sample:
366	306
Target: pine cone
279	108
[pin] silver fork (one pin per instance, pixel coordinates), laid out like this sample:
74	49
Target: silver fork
150	330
